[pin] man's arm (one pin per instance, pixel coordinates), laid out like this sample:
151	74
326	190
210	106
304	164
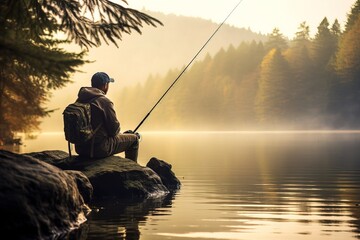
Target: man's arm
110	120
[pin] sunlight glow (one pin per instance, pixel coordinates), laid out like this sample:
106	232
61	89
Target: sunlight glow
258	132
260	15
205	235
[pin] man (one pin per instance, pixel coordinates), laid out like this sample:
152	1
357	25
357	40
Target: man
107	140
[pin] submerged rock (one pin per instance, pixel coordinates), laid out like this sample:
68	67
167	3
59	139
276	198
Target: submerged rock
38	200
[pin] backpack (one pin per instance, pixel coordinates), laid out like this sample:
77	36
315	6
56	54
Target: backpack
77	124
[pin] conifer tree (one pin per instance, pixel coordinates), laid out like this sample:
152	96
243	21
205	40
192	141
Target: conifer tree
87	22
303	34
298	54
273	96
30	67
336	29
324	44
324	47
304	94
353	16
276	40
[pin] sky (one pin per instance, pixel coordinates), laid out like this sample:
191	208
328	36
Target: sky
261	16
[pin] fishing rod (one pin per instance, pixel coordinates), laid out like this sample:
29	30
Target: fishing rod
183	71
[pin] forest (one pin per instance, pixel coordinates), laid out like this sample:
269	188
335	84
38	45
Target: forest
303	83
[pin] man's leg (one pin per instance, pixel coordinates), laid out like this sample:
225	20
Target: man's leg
128	143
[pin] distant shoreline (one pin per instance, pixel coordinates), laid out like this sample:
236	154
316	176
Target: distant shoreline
327	131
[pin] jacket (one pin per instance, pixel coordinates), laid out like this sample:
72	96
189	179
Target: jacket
103	115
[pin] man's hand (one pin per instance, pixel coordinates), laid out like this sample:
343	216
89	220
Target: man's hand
138	136
131	132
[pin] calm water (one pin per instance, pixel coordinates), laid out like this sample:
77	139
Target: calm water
239	186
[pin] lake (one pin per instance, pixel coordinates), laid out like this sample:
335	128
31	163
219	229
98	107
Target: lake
238	185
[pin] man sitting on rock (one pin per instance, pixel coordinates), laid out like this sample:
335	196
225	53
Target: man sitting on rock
107	140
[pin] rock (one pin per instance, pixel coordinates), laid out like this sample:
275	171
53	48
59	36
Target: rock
38	200
44	194
120	177
163	169
54	157
112	176
60	159
83	183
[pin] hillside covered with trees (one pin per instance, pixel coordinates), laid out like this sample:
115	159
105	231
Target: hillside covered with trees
305	83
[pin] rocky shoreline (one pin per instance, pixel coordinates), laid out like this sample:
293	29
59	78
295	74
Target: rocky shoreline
47	193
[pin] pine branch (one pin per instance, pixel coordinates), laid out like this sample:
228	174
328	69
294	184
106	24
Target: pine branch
93	21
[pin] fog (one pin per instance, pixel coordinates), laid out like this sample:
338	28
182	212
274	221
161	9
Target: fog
241	81
154	52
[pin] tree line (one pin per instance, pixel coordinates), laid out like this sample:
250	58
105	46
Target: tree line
303	83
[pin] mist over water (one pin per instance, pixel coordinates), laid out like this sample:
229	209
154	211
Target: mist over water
241	185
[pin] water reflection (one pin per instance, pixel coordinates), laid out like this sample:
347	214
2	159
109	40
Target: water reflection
245	186
277	187
120	219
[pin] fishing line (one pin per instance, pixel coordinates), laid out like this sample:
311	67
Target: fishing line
183	71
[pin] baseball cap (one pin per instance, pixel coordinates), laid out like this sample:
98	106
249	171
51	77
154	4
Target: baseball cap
100	78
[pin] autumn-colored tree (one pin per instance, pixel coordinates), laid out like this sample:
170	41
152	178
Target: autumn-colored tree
348	56
345	100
